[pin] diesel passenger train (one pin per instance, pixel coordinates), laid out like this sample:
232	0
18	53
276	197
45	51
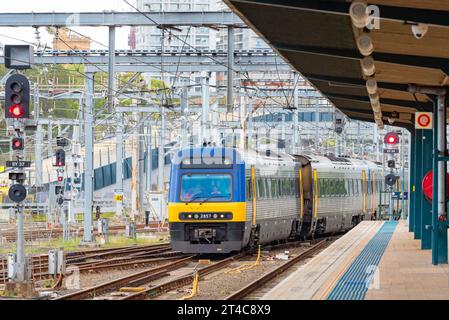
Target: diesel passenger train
222	199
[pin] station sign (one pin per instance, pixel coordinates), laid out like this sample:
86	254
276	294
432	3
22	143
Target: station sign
391	150
18	164
118	197
424	120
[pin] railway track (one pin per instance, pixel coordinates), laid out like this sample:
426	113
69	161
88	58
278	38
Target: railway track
152	292
264	279
134	279
139	287
44	233
99	260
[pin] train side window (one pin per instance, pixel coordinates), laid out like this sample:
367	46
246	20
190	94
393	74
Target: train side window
346	187
321	187
286	191
296	187
341	186
249	191
267	186
260	188
273	188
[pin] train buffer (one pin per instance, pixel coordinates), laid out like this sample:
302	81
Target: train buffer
376	260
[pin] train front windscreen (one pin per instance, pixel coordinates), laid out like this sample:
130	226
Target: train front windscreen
200	187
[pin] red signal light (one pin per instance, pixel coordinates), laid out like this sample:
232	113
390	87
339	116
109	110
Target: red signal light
17	144
16	111
60	179
391	138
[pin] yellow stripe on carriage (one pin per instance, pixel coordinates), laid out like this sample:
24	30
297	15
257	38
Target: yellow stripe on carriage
238	210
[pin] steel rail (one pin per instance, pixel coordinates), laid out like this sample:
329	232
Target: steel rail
181	281
258	283
135	278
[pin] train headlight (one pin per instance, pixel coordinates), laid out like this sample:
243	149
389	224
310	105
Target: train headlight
196	216
215	216
189	216
222	216
227	161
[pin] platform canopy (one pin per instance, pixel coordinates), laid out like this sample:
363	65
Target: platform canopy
321	41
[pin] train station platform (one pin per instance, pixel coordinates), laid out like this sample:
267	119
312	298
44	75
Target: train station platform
376	260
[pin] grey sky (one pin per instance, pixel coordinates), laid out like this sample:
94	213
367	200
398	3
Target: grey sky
99	34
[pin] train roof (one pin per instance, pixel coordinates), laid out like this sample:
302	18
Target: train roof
251	156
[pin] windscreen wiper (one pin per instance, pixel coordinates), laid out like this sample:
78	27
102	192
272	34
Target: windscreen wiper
215	196
197	196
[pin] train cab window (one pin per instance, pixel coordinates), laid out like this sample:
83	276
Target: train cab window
211	187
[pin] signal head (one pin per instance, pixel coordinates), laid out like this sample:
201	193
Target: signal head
17	144
391	138
60	158
17	97
17	193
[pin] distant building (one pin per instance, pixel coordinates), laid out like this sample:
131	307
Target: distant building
244	38
150	38
64	39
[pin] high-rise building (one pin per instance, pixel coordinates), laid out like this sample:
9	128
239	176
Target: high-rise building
152	38
244	38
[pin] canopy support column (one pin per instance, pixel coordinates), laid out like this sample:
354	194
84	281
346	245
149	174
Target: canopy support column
412	182
439	217
425	207
419	197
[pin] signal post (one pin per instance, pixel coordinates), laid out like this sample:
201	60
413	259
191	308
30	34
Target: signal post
17	112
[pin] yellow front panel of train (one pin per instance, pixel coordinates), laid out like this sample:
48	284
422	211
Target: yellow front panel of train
238	210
